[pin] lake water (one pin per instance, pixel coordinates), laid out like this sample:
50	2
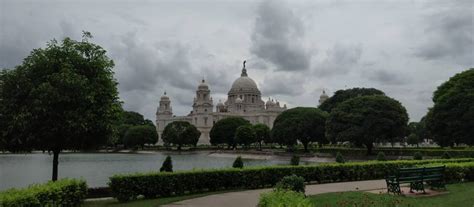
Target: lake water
21	170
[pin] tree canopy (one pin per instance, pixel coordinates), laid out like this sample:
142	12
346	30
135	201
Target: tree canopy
138	136
343	95
223	131
451	120
180	133
262	134
304	124
61	97
245	135
367	119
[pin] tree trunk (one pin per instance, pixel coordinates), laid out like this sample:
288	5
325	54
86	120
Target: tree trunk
179	147
260	145
55	164
305	145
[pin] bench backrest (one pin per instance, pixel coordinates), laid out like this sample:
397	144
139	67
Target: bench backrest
414	173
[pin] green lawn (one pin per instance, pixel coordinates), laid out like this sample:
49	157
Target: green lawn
148	202
459	195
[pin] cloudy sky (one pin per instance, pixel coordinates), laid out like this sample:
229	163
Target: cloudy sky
294	49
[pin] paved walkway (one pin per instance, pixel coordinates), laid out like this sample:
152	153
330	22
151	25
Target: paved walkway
250	197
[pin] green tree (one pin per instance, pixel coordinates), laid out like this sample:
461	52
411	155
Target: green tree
295	160
167	165
245	135
365	120
340	158
223	131
140	135
450	121
413	139
343	95
180	133
62	97
238	163
381	157
262	134
304	124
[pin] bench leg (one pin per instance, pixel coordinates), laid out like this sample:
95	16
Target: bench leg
393	188
417	186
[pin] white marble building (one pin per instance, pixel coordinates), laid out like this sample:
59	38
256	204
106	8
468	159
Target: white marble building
244	100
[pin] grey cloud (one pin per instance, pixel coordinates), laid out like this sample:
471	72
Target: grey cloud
449	34
277	37
340	59
282	83
386	77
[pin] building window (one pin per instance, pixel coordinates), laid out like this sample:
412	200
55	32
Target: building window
205	121
205	110
253	100
195	120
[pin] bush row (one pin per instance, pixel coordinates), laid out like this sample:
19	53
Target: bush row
150	185
64	192
432	152
284	198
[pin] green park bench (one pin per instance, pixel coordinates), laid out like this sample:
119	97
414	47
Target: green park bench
417	177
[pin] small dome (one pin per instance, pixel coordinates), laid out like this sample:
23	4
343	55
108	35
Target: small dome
165	97
238	100
203	85
220	103
269	102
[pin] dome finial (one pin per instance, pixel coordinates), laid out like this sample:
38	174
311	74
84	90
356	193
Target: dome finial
165	93
244	70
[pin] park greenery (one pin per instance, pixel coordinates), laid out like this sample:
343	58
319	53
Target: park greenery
126	121
343	95
167	165
223	131
180	133
138	136
62	97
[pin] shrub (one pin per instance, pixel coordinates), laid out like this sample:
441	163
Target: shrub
150	185
167	165
418	156
64	192
340	158
238	163
295	160
432	152
381	157
284	198
292	182
446	155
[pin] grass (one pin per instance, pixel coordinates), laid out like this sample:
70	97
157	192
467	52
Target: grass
146	202
459	195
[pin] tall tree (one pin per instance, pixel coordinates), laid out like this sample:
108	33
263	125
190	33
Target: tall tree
245	135
181	133
365	120
304	124
61	97
140	135
451	120
262	134
223	131
343	95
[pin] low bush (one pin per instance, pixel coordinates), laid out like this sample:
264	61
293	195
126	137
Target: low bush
167	165
398	151
284	198
381	157
295	160
418	156
446	155
238	163
155	184
64	192
292	182
340	158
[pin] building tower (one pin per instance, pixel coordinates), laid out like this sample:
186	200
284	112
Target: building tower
323	97
163	112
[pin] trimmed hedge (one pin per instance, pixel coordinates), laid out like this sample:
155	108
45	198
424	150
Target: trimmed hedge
64	192
151	185
284	198
431	152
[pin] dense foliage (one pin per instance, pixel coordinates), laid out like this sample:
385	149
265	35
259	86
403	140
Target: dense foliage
245	135
451	120
432	152
413	139
262	134
381	157
291	182
295	160
223	131
344	95
418	156
61	97
150	185
238	162
284	198
365	120
340	158
180	133
167	165
64	192
304	124
127	119
138	136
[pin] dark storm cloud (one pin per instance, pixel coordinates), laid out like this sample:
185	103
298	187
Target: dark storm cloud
277	37
283	83
386	77
449	34
340	59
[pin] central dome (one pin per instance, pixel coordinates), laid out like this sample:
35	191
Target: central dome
244	84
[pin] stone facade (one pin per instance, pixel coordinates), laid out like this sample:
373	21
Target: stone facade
244	100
